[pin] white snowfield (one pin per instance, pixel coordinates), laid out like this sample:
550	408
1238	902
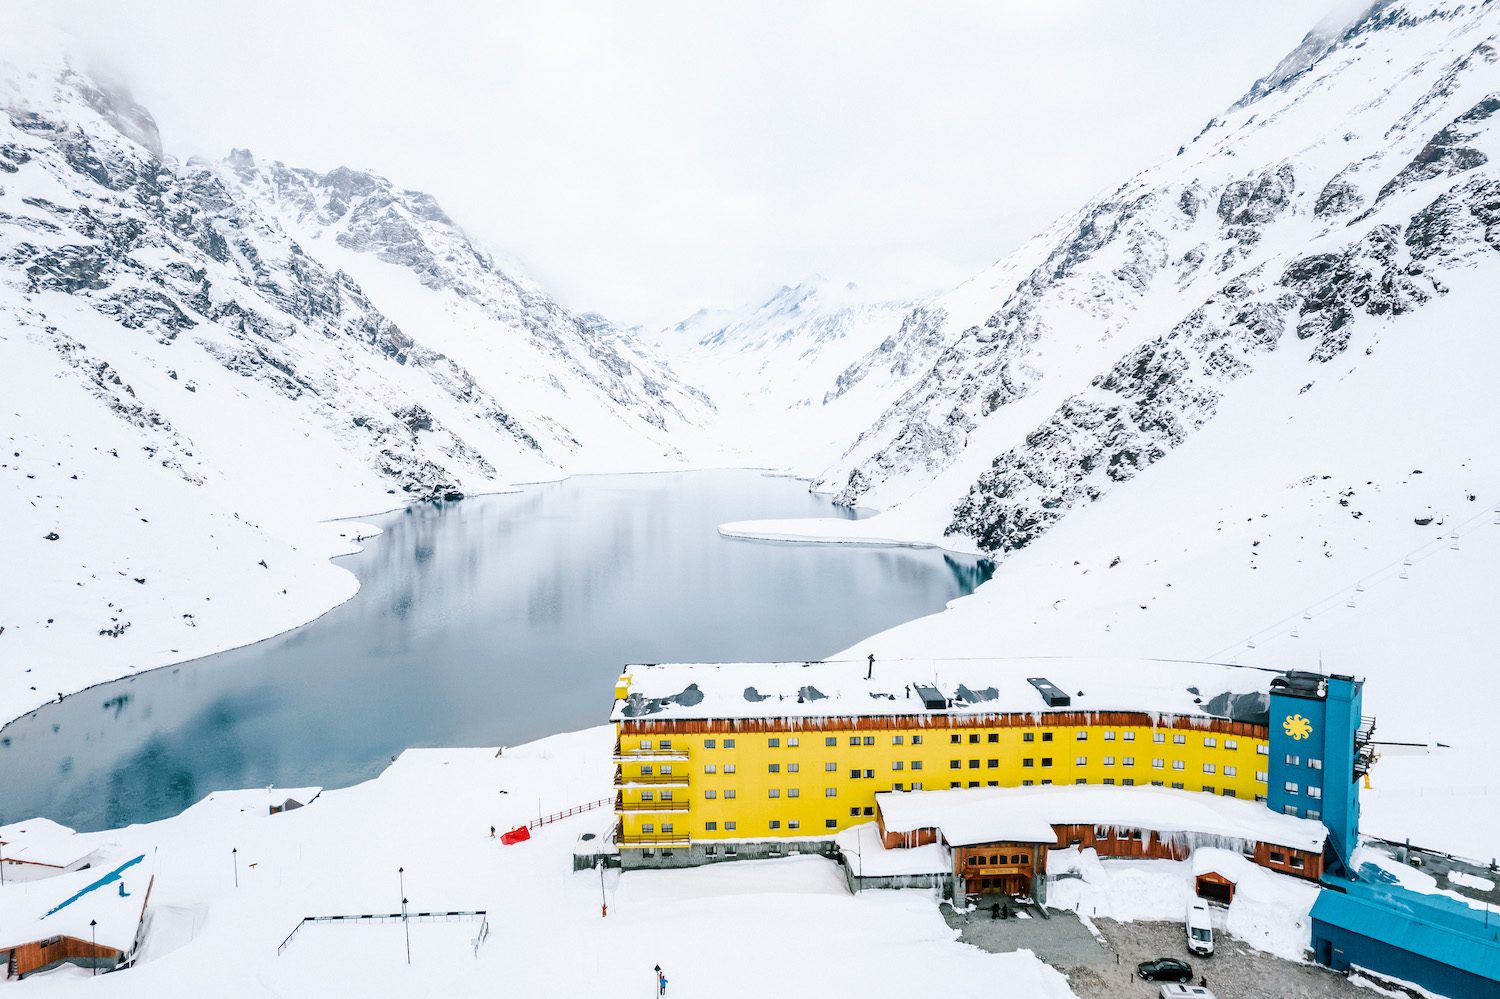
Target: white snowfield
746	929
839	688
1026	815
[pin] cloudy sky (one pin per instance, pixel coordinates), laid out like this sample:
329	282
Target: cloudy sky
643	159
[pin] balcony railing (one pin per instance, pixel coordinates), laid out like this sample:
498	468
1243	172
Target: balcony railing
651	806
650	755
652	780
654	839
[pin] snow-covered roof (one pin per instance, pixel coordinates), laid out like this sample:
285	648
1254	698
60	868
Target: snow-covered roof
42	841
670	691
868	857
66	904
1026	814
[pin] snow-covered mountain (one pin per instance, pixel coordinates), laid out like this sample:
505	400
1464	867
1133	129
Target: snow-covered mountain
198	360
1283	251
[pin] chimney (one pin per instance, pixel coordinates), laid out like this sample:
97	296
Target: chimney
871	671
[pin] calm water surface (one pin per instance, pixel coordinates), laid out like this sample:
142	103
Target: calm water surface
492	621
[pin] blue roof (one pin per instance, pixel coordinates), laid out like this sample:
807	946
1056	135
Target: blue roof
1434	926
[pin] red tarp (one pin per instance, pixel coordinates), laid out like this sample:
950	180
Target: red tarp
519	834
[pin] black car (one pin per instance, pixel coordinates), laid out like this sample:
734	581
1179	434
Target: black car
1165	969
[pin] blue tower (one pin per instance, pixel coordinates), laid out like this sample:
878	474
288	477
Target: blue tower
1320	752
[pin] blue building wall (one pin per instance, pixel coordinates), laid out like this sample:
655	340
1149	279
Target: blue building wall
1312	756
1337	947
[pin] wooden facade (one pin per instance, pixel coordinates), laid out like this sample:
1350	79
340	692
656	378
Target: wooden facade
987	868
27	958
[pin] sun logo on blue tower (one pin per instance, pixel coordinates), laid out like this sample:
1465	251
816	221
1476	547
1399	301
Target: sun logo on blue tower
1297	726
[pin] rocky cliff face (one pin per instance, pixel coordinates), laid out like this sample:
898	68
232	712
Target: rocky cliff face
1273	252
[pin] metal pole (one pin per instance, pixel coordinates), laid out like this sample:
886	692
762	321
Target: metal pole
603	901
401	873
235	854
407	924
94	939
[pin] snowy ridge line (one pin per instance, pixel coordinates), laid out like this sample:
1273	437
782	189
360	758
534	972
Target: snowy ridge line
974	659
1382	574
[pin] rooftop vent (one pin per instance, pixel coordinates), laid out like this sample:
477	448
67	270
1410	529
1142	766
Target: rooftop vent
1052	695
932	698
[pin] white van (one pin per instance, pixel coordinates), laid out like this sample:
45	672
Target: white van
1200	928
1184	992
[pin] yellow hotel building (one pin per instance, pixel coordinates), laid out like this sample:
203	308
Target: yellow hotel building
734	760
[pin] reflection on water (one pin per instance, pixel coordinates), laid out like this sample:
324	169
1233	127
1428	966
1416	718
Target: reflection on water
492	621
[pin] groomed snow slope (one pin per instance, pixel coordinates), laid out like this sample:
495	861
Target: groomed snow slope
748	929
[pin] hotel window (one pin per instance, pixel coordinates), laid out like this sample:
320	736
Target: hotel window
794	823
1277	857
973	736
729	792
1179	739
645	743
666	744
648	852
1128	736
1158	737
709	743
773	743
710	794
1247	850
973	783
869	740
955	764
854	775
1231	744
645	770
1028	783
830	767
1028	762
729	851
831	740
916	740
793	741
1028	736
1315	764
1297	862
897	764
1157	783
854	740
1046	736
992	764
729	768
955	783
710	827
1313	813
1228	792
1081	761
1046	782
897	740
1292	760
1231	771
1179	765
773	792
1314	791
1289	809
728	743
916	786
793	768
1210	741
1177	786
1129	761
1046	761
1109	761
991	783
830	823
710	850
973	764
1109	736
854	811
648	828
666	769
773	768
1290	787
1129	782
869	775
1083	735
710	768
775	823
1262	776
830	792
647	795
775	850
1109	780
1262	749
898	786
994	737
916	764
1208	768
955	738
666	796
794	792
1081	780
1157	763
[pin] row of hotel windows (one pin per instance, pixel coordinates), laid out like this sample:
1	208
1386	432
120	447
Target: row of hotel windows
729	793
1157	763
955	738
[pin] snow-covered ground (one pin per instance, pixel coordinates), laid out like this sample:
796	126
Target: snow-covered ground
787	927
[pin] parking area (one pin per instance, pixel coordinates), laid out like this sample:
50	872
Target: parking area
1103	967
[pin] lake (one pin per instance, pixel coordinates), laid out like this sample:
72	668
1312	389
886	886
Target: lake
492	621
